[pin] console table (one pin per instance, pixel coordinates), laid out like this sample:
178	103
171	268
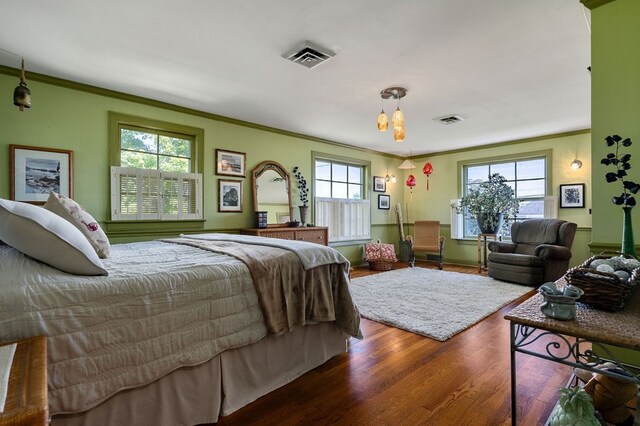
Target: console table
311	234
577	343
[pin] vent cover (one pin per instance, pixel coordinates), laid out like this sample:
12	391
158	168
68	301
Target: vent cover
309	54
449	119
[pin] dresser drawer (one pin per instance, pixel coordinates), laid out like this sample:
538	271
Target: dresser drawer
285	235
317	236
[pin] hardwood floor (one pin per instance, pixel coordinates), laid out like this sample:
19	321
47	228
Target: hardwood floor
394	377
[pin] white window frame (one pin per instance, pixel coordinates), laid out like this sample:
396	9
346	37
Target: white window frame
153	181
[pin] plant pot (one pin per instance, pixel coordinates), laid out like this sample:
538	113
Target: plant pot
628	246
490	224
303	214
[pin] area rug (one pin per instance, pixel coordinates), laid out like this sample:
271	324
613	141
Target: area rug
436	304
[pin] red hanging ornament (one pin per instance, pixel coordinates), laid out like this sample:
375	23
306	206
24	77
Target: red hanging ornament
427	170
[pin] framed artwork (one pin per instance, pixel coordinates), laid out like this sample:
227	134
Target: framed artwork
34	172
229	196
230	163
379	184
384	202
572	196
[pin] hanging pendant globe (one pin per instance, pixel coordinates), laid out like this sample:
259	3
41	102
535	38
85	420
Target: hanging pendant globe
398	119
398	134
383	121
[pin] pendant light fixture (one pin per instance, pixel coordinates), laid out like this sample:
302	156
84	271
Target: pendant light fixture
22	94
397	120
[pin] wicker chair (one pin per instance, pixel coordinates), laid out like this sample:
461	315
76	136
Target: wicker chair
427	239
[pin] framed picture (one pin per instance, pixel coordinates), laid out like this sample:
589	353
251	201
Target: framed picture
384	202
229	195
379	184
572	196
230	163
34	172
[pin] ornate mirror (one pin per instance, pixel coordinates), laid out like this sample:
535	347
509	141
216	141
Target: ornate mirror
272	192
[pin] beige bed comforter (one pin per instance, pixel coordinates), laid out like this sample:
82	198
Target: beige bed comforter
162	307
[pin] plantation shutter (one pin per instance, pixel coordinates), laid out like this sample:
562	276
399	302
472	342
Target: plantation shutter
347	219
141	194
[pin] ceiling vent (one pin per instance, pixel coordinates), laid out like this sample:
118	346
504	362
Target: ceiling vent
449	119
309	54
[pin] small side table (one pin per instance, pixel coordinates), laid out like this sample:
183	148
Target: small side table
27	402
482	244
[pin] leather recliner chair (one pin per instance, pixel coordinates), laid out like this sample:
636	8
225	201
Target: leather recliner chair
539	252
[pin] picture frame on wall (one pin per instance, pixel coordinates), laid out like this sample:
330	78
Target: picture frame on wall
379	184
572	196
36	171
229	196
384	202
230	163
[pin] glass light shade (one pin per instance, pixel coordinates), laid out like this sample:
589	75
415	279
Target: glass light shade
407	164
576	164
398	119
398	134
393	178
383	121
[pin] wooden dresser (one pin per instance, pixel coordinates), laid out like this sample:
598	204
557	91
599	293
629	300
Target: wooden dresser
312	234
27	402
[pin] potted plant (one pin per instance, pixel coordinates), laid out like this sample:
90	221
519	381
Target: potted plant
625	199
491	202
303	191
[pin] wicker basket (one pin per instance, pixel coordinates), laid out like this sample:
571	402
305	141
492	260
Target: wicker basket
381	265
603	290
380	257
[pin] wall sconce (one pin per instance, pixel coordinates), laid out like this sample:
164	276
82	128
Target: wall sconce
22	94
391	178
397	120
576	164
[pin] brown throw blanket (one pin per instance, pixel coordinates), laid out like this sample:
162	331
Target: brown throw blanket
290	296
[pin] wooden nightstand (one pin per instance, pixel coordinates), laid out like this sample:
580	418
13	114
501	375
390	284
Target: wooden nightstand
27	402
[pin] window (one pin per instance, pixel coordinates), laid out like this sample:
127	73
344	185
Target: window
155	170
340	198
527	177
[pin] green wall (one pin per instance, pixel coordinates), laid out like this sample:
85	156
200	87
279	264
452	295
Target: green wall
444	185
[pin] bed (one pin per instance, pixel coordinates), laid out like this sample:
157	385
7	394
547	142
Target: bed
182	330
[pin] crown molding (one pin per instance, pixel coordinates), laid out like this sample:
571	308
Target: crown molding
592	4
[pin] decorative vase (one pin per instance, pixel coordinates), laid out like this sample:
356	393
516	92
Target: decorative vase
486	229
303	214
628	246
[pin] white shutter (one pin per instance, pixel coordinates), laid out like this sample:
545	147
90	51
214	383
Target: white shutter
457	221
141	194
346	219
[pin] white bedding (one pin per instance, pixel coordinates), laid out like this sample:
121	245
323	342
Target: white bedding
111	333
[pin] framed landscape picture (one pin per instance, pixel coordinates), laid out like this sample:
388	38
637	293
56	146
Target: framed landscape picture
34	172
379	184
230	163
572	196
384	202
229	196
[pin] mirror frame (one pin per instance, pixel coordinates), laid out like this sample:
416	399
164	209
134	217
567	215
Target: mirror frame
278	168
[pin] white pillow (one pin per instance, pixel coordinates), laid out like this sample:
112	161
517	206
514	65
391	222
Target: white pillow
73	212
47	237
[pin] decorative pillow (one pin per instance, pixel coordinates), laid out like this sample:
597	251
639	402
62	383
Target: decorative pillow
48	238
73	212
377	251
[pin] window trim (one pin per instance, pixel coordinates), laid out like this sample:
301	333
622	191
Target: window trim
117	120
547	154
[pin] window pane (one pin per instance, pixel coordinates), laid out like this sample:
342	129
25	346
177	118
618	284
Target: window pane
174	164
355	174
355	191
323	189
138	160
323	171
138	141
339	173
508	170
175	146
531	169
339	190
531	209
530	188
477	173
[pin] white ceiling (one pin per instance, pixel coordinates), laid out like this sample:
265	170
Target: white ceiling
512	68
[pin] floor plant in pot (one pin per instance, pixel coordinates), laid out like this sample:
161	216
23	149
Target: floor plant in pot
621	162
492	202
